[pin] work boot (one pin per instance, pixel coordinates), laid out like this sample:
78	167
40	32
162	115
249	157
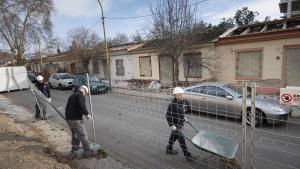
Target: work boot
37	117
74	149
87	154
189	157
171	151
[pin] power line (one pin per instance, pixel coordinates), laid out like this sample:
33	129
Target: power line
94	24
144	16
134	17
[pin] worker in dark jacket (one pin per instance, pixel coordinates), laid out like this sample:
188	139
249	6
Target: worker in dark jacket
42	106
75	109
176	117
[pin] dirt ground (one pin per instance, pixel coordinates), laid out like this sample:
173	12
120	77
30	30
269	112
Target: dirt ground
23	147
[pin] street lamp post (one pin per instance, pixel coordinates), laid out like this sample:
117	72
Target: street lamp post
105	43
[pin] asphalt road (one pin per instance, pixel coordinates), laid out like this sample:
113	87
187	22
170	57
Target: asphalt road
133	130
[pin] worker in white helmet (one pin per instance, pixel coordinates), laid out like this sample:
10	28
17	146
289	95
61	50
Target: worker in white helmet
44	89
74	111
176	117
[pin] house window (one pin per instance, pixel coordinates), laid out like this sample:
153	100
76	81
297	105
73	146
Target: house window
145	66
249	65
119	67
192	65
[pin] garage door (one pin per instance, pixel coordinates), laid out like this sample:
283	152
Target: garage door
292	71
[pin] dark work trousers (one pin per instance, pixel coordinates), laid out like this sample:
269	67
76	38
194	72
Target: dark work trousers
38	112
79	134
177	135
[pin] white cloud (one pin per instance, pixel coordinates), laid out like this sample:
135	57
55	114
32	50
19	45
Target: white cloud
76	8
209	14
265	8
82	8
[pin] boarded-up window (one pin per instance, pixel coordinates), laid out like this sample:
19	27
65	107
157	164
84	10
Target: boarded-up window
119	67
249	65
96	67
292	71
192	65
145	66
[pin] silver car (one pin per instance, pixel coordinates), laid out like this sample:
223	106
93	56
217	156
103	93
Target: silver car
225	100
61	81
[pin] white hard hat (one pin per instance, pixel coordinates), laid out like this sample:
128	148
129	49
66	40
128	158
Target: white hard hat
39	78
178	90
85	88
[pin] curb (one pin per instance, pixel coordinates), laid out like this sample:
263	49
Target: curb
143	96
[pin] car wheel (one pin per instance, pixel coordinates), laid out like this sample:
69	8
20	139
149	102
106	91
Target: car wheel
258	118
60	87
50	86
187	107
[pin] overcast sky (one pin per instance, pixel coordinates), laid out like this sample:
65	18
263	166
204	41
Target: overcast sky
74	13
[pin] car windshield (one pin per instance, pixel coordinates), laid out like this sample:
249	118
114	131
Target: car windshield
234	90
65	76
94	79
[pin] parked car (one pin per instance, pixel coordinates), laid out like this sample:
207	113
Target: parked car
31	76
225	100
61	81
96	85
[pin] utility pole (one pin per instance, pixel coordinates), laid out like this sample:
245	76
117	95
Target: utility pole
105	43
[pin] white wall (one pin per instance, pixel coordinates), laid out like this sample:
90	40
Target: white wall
272	68
154	66
127	62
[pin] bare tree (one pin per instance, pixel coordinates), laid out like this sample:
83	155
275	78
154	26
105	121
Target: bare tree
119	39
52	44
196	62
173	21
23	23
83	37
137	37
86	42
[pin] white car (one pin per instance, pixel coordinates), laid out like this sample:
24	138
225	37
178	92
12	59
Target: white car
61	81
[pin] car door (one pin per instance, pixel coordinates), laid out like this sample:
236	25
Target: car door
51	80
55	80
219	103
194	97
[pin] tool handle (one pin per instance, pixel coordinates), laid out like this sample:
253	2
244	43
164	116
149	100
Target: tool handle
188	122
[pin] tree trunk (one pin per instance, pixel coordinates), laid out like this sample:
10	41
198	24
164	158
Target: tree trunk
176	71
20	60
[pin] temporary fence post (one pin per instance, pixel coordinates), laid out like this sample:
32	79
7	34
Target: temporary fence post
253	110
91	106
244	116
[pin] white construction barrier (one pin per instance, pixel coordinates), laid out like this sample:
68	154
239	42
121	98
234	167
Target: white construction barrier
13	78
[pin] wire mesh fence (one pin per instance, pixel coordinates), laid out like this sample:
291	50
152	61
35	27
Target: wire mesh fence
140	109
46	109
276	142
130	121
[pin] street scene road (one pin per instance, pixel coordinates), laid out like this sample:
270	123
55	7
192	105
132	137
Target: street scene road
134	130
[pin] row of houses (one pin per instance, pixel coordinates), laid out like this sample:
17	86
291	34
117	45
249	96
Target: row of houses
267	52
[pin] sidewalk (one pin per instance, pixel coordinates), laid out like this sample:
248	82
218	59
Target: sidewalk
146	94
55	137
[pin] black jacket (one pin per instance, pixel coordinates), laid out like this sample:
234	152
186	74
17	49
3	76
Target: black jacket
44	89
76	108
175	113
